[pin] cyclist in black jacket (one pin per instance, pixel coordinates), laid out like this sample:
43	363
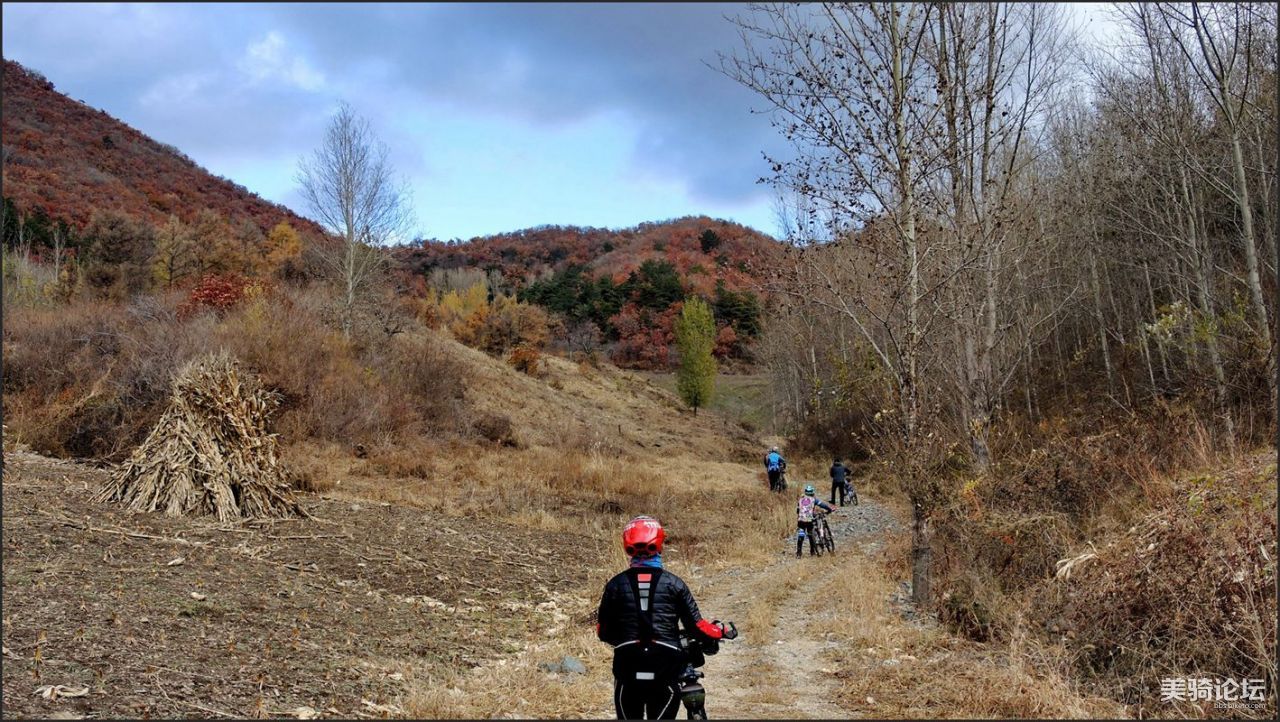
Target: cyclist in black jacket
839	480
640	615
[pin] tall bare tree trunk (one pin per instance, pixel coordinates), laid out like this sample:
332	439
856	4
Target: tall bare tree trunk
1142	341
1098	315
1250	241
1151	299
1204	297
921	551
1251	261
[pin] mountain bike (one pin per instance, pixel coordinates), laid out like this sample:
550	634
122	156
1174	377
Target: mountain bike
850	493
822	533
781	485
692	694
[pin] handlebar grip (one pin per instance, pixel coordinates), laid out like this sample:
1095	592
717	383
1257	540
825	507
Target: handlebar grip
730	633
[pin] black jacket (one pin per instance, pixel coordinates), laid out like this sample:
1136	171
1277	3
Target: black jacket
637	645
838	472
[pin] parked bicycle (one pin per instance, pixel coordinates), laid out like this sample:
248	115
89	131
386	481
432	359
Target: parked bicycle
850	493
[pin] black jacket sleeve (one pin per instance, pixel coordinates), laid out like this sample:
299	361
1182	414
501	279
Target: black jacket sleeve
687	608
607	614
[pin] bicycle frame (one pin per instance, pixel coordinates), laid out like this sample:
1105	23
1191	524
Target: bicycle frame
692	694
822	531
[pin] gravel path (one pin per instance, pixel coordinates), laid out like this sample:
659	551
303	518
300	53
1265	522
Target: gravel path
772	670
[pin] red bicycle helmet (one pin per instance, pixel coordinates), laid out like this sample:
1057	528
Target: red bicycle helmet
642	537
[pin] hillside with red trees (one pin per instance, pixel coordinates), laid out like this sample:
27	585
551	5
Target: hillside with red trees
66	160
701	248
618	291
136	215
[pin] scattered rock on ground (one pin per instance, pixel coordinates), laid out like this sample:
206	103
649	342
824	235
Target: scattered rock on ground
567	665
573	665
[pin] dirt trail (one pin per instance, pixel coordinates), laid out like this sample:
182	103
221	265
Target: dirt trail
777	668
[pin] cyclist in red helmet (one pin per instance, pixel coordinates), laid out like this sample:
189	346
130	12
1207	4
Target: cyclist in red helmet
640	615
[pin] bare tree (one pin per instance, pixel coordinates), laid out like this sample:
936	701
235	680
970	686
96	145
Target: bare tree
1216	39
851	89
998	67
349	186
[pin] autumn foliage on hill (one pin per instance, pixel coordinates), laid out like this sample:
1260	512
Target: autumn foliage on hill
619	289
67	160
729	252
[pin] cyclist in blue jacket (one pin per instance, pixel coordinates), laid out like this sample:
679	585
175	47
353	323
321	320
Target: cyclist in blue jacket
774	464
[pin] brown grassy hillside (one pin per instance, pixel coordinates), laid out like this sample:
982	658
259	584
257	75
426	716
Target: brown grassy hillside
71	160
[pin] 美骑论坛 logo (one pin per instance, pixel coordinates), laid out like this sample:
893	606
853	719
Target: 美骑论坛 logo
1224	693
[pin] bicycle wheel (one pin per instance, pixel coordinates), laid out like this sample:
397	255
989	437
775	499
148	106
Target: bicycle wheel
828	537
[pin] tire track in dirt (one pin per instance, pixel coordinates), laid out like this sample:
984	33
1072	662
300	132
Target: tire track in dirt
776	668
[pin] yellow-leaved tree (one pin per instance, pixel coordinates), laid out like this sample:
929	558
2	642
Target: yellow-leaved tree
283	251
175	256
695	331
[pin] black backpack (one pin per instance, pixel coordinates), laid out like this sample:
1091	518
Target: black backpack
647	659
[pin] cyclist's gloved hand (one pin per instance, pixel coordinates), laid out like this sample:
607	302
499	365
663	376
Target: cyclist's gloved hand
710	629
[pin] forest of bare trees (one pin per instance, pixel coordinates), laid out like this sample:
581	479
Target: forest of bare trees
992	216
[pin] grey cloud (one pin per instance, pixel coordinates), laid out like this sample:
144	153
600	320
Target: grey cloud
558	63
177	71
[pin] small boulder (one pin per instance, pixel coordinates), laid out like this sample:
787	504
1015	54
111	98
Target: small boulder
566	665
573	665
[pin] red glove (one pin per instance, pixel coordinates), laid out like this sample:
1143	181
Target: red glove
710	629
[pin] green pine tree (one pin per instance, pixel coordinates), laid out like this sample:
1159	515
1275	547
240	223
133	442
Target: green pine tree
695	332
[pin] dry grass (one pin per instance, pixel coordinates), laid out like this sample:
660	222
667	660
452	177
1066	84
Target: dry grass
1183	583
769	594
210	452
914	670
712	510
516	688
604	409
89	379
1188	590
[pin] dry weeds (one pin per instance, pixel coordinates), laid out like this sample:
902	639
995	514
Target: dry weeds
210	452
893	668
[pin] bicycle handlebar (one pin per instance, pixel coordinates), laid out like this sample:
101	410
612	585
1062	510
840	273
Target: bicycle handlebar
730	633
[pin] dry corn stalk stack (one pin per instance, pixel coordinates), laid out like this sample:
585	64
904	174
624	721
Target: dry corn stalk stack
210	453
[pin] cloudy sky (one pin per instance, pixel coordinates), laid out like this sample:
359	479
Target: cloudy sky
499	116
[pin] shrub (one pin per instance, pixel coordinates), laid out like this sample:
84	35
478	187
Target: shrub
496	428
1190	588
495	326
89	379
526	359
510	324
216	292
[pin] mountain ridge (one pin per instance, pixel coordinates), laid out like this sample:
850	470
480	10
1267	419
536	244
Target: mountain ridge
66	159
